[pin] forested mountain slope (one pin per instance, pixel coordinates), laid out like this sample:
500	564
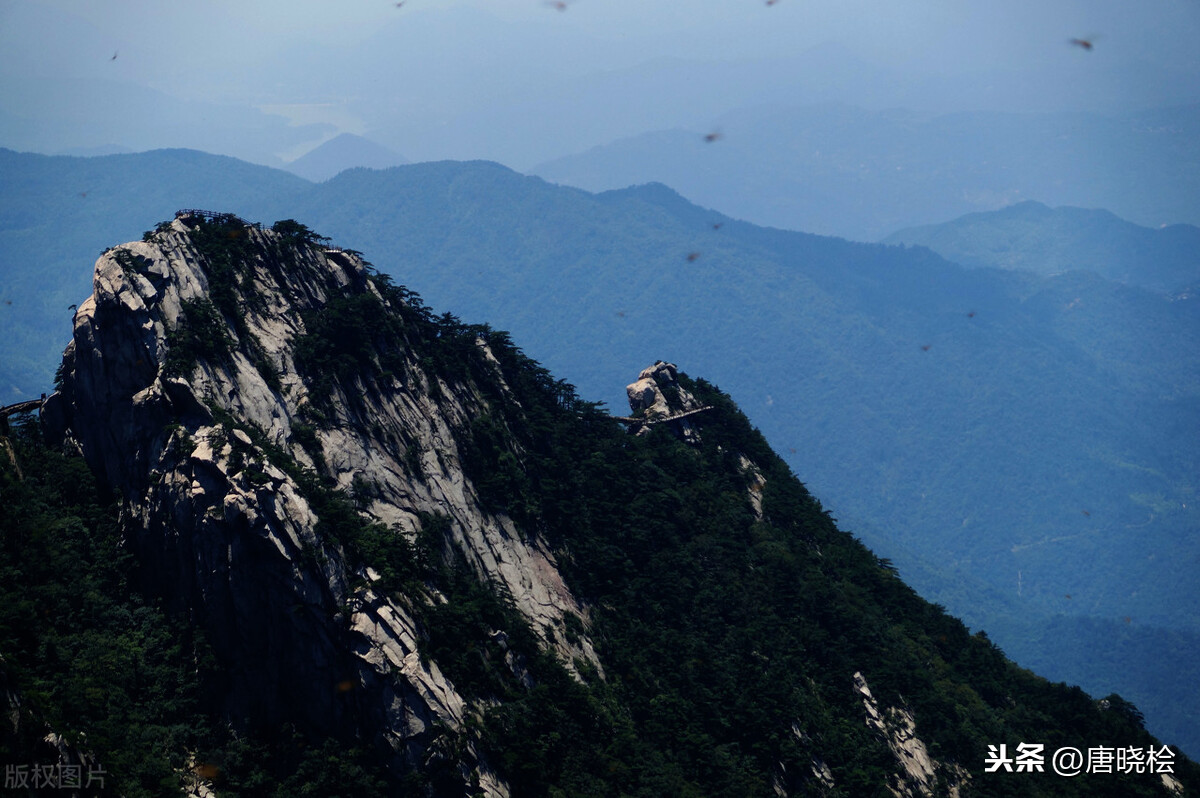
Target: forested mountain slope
383	551
1020	446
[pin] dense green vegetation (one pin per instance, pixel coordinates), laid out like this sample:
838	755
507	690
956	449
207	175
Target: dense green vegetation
970	464
346	337
200	333
88	656
85	654
296	235
719	631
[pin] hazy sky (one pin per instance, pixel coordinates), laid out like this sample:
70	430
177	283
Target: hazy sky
522	82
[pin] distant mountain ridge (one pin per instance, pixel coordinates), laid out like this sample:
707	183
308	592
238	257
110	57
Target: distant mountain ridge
834	169
344	151
1033	237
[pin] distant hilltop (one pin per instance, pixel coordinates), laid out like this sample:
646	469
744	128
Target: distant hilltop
342	152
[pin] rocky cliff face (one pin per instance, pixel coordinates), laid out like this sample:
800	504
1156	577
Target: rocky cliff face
206	425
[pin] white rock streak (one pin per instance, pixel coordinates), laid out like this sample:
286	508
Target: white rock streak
918	770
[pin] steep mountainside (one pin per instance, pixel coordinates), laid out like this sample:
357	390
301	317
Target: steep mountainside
201	428
394	532
972	414
1047	241
1032	469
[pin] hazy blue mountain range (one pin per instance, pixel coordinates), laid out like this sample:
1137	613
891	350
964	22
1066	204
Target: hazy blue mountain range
1032	237
341	152
44	114
525	86
1021	446
838	170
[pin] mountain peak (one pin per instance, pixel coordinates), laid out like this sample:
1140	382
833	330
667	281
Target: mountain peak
218	378
662	196
344	151
1026	208
396	532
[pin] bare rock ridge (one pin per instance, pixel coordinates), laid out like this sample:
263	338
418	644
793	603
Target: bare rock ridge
195	415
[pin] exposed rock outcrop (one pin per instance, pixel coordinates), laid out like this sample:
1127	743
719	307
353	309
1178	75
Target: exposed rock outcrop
202	420
657	398
917	773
